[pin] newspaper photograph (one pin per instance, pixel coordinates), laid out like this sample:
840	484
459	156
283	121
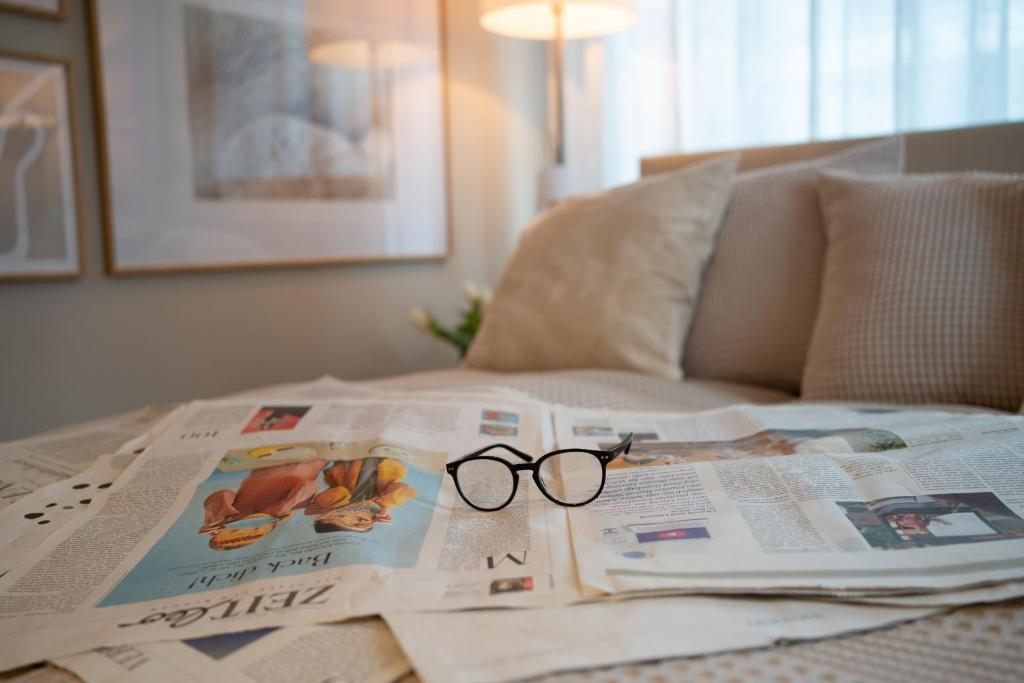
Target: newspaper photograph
360	650
808	499
478	646
245	515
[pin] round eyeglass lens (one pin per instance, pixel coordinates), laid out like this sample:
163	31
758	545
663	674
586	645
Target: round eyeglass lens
486	483
572	477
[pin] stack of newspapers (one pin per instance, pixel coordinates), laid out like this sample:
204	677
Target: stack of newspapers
311	532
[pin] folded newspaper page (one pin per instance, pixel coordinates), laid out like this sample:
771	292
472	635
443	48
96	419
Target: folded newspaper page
490	646
808	499
999	592
28	464
25	524
245	515
361	650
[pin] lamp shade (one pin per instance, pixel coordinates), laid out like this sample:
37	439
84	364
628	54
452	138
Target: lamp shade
535	19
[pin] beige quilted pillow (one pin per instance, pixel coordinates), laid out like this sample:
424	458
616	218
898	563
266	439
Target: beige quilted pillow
608	280
760	292
923	294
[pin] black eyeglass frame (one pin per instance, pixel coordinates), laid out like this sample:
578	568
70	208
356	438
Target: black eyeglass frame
604	457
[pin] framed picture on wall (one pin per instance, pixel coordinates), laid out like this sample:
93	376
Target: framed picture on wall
40	233
266	133
45	9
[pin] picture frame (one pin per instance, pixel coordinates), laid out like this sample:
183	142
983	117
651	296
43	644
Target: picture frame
54	10
309	139
41	234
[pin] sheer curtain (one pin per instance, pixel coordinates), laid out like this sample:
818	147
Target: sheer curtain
716	74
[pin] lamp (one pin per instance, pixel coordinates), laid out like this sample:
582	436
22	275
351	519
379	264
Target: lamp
556	20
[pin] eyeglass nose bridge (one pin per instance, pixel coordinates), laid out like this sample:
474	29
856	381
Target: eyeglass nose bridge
521	466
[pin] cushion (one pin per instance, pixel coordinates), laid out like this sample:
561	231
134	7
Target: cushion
923	293
760	294
607	280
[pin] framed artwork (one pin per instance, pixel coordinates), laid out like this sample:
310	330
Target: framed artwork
40	225
269	133
44	9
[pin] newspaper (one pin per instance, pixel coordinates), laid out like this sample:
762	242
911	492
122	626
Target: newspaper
808	499
999	592
32	518
489	646
362	650
28	464
315	502
25	524
245	515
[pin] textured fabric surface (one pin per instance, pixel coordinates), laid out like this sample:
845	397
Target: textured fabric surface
598	388
608	280
760	294
923	293
979	643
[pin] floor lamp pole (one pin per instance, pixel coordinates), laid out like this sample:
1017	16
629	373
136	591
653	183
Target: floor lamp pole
555	182
559	87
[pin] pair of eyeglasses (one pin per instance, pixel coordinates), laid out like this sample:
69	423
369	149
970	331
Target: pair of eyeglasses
570	477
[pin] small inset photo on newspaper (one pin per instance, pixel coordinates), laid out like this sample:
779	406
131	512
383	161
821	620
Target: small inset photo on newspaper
275	419
632	541
499	416
940	519
497	429
593	430
499	423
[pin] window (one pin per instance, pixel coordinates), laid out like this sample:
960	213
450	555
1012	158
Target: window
717	74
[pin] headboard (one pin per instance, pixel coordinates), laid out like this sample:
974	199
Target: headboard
997	147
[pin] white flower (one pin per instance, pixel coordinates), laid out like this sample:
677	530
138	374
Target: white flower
419	318
486	294
472	291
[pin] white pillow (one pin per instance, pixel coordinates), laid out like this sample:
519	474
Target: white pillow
608	280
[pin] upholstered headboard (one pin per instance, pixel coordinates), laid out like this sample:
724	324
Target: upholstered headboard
986	148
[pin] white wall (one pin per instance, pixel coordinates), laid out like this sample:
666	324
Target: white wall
75	350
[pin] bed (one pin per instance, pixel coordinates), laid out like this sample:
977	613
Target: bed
972	643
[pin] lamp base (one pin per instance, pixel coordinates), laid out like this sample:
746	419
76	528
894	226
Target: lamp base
554	184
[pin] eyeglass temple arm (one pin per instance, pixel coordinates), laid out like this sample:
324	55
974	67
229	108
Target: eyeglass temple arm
624	445
515	451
